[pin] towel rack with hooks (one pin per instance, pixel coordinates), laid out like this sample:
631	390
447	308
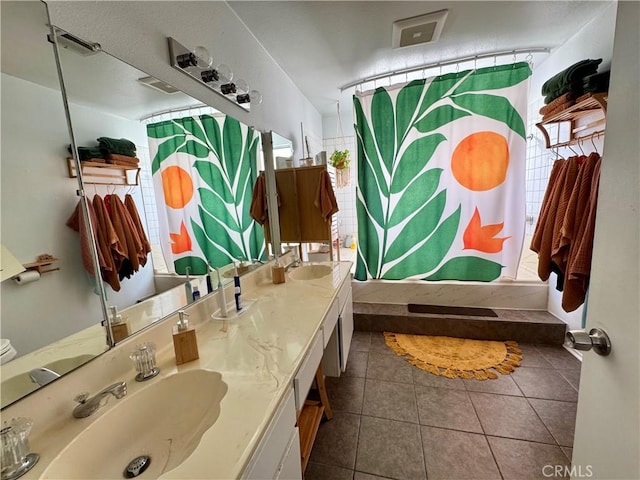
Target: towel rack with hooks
105	173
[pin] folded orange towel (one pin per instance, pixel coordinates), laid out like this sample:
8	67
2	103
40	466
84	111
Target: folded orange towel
551	106
325	198
123	160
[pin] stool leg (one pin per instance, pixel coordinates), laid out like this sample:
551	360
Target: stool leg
324	399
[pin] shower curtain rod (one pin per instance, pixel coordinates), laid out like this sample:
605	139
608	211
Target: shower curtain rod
197	106
502	53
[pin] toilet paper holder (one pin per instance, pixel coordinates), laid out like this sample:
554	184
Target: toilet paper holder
43	261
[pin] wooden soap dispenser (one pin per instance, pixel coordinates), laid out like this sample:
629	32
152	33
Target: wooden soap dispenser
277	272
119	327
185	343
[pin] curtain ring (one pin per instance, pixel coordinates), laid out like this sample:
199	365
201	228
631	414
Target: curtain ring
457	67
440	65
424	76
495	61
475	62
514	58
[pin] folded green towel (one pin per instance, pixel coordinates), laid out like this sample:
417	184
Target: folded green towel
86	153
562	82
117	146
596	83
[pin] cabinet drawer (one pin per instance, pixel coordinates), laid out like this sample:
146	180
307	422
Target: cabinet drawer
307	372
273	446
329	322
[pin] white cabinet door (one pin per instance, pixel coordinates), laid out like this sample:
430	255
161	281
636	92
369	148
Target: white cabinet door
346	330
290	468
268	455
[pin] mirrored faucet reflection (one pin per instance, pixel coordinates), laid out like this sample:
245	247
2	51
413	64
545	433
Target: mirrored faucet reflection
42	376
88	406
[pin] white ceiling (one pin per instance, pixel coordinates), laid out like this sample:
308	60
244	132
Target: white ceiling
324	45
320	45
100	81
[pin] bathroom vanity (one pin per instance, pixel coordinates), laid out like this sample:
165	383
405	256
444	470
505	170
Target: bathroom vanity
255	370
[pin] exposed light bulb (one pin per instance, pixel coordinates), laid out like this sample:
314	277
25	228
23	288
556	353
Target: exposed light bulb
225	73
241	86
203	57
256	97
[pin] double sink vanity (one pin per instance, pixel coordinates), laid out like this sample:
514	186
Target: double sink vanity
230	414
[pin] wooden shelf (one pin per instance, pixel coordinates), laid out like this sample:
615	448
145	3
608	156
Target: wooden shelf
580	122
308	423
105	173
43	264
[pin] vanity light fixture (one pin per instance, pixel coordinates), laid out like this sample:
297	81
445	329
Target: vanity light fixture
198	64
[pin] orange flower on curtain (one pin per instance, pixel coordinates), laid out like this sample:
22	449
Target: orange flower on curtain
481	238
181	242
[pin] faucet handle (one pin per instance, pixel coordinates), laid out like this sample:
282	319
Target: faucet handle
82	397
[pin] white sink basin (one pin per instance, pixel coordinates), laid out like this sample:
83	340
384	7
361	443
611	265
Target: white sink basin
310	272
164	421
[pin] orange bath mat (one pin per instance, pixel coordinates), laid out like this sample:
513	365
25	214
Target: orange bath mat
456	357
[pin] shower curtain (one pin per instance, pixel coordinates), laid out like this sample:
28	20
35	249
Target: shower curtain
441	176
204	168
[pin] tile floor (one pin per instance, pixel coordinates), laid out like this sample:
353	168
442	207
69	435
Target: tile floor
393	420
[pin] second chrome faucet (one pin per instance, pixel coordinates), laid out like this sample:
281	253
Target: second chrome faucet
88	406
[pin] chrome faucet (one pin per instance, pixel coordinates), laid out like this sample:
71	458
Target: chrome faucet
42	376
88	406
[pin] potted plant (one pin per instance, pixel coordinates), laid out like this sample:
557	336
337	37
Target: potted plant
340	159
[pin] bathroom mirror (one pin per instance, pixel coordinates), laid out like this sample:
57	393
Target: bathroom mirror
54	321
193	210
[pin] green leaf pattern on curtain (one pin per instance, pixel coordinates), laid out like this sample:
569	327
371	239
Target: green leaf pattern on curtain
406	224
219	155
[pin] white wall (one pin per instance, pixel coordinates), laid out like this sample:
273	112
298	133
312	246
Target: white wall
595	40
37	198
137	32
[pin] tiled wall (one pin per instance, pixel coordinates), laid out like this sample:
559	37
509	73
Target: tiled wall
539	162
346	196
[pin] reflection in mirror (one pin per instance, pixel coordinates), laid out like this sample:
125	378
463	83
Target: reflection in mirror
197	168
275	150
53	322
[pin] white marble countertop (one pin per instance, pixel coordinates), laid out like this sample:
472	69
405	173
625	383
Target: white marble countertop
257	355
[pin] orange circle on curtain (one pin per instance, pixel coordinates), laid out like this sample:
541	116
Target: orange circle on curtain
177	186
480	161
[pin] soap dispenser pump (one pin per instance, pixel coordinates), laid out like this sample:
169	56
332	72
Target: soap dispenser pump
185	343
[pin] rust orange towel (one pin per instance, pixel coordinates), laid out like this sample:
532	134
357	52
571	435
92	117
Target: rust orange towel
579	262
130	204
258	209
325	198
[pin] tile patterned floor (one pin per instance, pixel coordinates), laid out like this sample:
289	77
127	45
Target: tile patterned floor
395	421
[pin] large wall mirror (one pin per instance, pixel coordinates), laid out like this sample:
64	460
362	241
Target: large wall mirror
197	168
204	221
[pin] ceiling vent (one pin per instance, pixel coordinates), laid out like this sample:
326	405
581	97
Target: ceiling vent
418	30
158	85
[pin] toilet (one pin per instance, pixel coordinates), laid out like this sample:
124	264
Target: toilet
7	352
